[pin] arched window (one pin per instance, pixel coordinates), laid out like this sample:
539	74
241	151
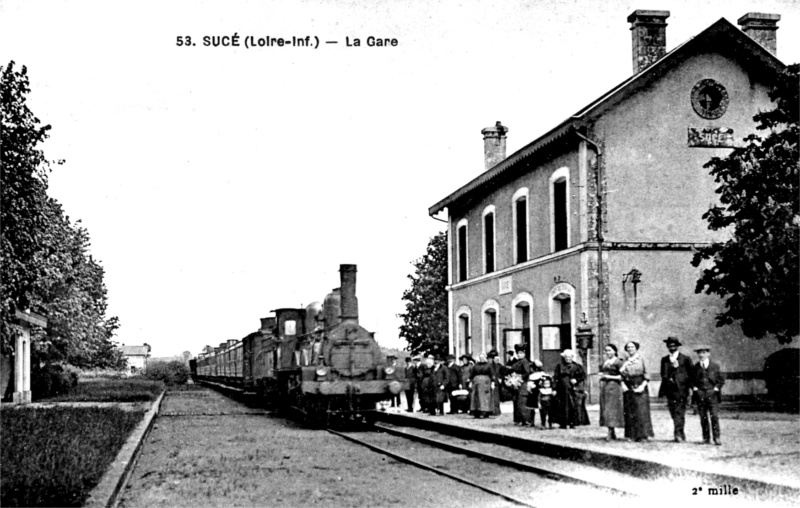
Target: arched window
519	213
522	319
488	239
490	325
461	245
464	331
559	210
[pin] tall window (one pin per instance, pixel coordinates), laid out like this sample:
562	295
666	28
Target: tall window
559	210
488	239
464	335
462	251
560	214
521	206
491	331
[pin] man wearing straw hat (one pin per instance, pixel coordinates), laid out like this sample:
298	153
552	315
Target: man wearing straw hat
707	381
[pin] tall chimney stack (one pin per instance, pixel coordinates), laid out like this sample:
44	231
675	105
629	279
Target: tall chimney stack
761	27
347	274
649	37
494	144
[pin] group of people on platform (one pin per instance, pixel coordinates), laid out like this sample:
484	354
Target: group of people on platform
478	387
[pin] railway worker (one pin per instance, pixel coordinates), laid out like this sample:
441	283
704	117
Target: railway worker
412	365
482	385
441	379
392	361
707	382
453	382
676	369
522	367
426	391
497	371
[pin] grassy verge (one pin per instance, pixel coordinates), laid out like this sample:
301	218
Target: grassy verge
111	390
55	456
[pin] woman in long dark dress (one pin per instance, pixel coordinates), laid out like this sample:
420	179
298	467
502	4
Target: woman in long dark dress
497	368
570	400
427	397
482	382
636	400
611	413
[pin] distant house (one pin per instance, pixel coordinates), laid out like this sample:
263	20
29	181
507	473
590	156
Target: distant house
137	357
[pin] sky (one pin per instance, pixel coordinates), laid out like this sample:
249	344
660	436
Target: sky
220	183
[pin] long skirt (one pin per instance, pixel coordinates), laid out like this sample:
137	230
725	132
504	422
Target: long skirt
611	413
427	397
481	394
570	408
637	415
496	400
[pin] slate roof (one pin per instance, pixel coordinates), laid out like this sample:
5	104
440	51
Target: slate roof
733	39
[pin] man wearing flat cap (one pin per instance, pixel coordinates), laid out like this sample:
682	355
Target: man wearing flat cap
676	371
707	381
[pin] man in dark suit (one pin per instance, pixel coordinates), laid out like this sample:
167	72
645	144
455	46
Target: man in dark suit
453	382
676	369
441	376
522	367
411	377
707	381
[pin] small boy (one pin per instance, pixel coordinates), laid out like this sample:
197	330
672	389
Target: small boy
545	399
532	399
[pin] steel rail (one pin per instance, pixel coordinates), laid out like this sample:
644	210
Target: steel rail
552	475
432	469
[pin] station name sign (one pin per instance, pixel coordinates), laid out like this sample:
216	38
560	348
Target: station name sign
711	137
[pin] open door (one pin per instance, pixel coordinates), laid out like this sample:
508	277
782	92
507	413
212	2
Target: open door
553	339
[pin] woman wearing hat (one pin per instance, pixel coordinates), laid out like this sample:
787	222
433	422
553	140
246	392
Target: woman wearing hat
636	400
482	384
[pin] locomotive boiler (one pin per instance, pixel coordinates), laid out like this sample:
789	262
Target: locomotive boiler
316	359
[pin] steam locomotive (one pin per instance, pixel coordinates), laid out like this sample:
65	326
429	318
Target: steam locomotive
316	359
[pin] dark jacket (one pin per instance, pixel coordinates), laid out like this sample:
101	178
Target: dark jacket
705	380
675	381
441	376
411	376
454	377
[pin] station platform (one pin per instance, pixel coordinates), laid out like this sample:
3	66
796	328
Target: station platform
760	450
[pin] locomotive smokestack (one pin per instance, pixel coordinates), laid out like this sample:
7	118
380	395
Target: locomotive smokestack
347	274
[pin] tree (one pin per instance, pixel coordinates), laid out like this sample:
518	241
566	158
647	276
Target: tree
425	320
45	262
756	270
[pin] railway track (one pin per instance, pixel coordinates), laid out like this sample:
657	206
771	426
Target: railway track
513	480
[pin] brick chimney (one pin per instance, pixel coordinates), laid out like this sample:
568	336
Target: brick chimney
494	144
649	37
761	27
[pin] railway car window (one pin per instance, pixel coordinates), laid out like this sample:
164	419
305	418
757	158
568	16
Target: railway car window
289	327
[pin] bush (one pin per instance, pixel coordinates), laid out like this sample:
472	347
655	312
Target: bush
52	380
171	373
55	456
112	390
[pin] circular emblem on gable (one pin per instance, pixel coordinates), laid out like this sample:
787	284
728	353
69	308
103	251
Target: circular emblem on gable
709	99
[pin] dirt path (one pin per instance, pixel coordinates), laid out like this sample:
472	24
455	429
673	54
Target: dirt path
237	456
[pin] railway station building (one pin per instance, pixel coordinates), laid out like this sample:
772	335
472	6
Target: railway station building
621	180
